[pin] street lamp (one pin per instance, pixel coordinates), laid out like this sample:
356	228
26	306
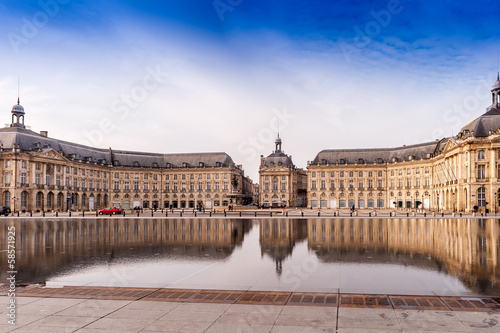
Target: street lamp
14	200
453	201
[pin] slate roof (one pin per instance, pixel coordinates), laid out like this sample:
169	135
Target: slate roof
31	141
482	125
380	155
278	158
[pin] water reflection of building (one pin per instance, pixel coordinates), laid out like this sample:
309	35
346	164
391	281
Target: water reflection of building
466	248
279	236
46	248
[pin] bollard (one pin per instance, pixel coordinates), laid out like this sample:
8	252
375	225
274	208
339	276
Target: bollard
210	213
286	214
224	213
334	214
302	213
369	214
181	214
57	215
96	213
83	214
442	214
69	213
151	213
123	213
460	214
31	214
194	213
255	214
350	214
318	214
407	214
17	213
166	213
425	214
271	214
43	213
240	214
137	213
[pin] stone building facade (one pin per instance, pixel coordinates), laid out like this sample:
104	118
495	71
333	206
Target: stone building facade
456	173
282	184
39	173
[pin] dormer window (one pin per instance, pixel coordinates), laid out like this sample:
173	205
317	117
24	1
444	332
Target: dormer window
168	165
154	165
380	161
218	164
136	164
361	161
324	162
116	163
342	161
184	165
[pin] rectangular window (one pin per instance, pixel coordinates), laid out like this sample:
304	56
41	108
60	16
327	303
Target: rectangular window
7	164
313	175
283	187
38	166
58	180
313	184
480	155
217	186
23	164
323	185
200	186
323	175
332	185
37	179
400	183
167	187
83	182
191	186
183	186
226	184
105	186
370	183
66	182
209	186
361	174
426	181
341	184
360	184
283	178
351	183
380	183
146	186
275	186
408	182
91	183
23	178
481	172
126	186
155	186
48	179
417	182
332	174
7	178
98	184
75	182
266	187
136	185
392	183
341	173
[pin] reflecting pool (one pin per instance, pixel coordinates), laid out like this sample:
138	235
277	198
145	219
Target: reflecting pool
372	256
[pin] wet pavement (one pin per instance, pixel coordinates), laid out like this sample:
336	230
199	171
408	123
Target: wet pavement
254	313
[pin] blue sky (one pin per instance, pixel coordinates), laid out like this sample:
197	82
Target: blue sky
205	75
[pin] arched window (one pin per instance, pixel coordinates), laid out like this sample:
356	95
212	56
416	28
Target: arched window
136	164
481	197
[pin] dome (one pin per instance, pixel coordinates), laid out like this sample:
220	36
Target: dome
279	159
496	85
18	108
278	140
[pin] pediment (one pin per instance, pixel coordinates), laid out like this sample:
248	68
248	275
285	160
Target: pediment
450	144
273	168
52	154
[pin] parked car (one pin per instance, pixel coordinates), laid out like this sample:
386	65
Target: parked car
110	211
4	210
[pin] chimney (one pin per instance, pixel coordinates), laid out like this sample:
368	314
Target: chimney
44	133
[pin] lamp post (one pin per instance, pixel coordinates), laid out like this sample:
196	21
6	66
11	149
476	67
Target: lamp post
14	200
453	202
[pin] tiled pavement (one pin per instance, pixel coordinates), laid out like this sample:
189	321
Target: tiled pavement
108	310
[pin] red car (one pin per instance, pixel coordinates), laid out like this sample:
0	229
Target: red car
110	211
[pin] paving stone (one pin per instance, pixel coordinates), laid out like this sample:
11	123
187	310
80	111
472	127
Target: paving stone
301	329
136	314
309	310
177	326
308	321
248	318
231	328
126	325
191	316
246	308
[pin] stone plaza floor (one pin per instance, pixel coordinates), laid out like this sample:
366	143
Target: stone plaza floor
109	310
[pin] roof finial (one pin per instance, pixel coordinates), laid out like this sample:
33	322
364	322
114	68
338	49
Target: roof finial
18	84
